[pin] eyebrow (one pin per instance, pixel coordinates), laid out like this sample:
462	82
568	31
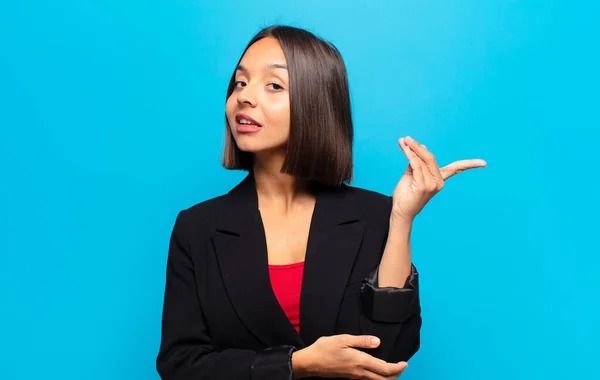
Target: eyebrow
269	66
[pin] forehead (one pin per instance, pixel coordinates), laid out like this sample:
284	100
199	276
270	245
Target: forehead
262	53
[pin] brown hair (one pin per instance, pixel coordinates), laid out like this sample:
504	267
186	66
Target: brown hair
321	131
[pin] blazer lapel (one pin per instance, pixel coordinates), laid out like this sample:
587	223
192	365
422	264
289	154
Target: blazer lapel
334	240
241	250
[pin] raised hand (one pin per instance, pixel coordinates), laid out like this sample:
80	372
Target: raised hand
422	179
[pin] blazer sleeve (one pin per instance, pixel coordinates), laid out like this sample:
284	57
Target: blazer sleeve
185	350
393	315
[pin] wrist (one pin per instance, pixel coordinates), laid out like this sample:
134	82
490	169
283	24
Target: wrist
400	224
300	364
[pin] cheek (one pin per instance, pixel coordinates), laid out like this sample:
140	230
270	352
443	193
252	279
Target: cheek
279	114
230	108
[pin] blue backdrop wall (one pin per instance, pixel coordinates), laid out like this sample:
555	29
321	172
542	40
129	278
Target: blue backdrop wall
111	122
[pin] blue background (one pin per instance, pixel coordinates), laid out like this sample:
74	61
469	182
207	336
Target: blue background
111	121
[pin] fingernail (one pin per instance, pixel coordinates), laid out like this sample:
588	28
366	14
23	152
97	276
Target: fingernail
375	341
409	138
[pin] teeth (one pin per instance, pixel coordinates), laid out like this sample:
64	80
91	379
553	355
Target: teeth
244	121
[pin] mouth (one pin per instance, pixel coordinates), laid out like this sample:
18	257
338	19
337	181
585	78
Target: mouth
246	124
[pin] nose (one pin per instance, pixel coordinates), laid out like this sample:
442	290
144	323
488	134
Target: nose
246	95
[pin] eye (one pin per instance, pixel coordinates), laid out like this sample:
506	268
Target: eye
239	84
275	87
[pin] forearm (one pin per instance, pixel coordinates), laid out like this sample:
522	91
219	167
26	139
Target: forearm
200	362
395	265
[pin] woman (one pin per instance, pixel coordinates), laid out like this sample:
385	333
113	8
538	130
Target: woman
294	273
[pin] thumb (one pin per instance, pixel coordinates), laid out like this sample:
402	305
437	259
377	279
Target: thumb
403	365
361	341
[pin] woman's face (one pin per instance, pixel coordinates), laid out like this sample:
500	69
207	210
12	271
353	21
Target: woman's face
258	110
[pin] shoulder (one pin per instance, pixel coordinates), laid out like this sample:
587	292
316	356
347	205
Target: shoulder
199	214
375	209
372	203
370	197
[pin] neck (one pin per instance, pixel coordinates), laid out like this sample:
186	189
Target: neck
274	186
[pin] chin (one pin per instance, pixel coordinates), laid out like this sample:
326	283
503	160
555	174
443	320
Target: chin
249	145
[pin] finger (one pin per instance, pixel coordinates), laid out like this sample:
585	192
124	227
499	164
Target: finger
378	366
427	157
391	375
415	162
364	374
460	166
430	182
359	341
387	370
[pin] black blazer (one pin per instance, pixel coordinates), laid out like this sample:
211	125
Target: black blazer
221	319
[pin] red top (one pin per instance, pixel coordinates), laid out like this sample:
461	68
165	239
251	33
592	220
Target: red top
286	281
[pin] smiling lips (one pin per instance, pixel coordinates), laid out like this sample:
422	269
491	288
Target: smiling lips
246	124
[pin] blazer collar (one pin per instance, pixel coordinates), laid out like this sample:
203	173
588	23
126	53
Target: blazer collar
334	239
335	205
